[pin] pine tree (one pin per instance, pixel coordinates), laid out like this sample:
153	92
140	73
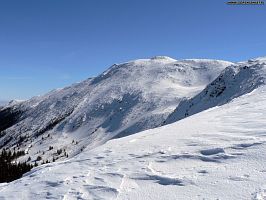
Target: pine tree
10	170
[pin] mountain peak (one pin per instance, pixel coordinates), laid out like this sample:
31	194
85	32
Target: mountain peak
258	59
162	58
261	58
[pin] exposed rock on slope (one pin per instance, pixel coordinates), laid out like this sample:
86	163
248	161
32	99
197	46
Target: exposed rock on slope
233	82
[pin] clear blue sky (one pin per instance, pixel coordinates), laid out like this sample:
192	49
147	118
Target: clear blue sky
46	44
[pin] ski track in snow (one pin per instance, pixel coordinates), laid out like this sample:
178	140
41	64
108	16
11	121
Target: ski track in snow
217	154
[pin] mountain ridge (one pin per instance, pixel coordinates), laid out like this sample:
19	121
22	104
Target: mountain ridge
124	99
234	81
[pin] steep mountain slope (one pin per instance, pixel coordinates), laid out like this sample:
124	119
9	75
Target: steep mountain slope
216	154
125	99
234	81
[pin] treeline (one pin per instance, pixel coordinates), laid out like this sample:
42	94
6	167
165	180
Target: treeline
10	169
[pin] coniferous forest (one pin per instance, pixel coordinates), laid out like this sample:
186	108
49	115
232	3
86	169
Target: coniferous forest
10	169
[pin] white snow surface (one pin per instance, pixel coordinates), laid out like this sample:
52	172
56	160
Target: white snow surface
234	81
216	154
125	99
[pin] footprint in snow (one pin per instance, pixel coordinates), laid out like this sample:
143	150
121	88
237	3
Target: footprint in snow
213	151
246	145
203	171
162	180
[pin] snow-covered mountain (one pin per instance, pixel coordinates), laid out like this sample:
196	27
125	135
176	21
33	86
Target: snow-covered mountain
233	82
216	154
125	99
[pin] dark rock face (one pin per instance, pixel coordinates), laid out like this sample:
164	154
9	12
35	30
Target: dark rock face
8	117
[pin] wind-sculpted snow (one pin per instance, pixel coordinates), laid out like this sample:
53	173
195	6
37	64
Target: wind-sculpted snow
233	82
125	99
216	154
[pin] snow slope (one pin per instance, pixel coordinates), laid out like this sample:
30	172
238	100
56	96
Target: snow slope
125	99
233	82
216	154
